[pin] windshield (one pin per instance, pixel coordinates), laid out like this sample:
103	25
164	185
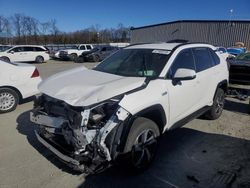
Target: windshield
135	62
4	48
244	57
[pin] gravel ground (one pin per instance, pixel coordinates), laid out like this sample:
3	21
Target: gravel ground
201	154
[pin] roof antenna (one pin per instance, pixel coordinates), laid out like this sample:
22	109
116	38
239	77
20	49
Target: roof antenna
231	16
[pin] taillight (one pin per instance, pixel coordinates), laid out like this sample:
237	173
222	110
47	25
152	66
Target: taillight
35	74
47	52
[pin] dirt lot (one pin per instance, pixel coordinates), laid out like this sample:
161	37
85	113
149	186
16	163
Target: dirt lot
201	154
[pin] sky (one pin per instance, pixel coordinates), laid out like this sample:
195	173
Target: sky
72	15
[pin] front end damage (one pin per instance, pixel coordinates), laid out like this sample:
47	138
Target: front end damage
82	137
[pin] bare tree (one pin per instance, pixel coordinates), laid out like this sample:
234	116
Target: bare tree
17	19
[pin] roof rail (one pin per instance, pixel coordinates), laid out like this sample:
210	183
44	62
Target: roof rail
178	41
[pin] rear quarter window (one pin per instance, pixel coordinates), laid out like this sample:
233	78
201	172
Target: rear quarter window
38	49
215	58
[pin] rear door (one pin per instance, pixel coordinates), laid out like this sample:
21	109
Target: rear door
206	74
29	53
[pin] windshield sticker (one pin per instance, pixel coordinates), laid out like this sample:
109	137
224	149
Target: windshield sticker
165	52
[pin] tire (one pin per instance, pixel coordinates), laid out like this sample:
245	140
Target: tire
96	58
218	105
4	58
80	60
9	100
39	59
73	57
141	144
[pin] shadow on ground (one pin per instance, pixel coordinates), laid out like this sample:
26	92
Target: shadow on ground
237	106
185	158
25	127
29	99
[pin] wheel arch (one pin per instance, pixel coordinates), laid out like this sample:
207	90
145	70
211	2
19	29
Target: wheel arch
223	85
155	113
15	89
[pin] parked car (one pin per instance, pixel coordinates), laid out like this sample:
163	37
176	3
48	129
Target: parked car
17	82
97	54
25	53
55	55
93	118
224	53
240	69
236	50
74	52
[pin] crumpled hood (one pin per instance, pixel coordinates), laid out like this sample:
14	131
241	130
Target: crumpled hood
84	87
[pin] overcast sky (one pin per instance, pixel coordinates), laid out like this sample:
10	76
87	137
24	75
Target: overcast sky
74	15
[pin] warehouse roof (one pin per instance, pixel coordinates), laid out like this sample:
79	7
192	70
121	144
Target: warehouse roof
194	21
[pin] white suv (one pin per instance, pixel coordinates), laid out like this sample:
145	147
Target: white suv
93	118
74	52
25	53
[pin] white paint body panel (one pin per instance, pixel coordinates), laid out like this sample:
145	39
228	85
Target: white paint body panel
19	77
83	87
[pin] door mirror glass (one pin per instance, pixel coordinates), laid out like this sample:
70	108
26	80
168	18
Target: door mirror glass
184	74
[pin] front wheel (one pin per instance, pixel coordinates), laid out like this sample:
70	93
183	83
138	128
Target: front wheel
218	105
8	100
142	143
6	59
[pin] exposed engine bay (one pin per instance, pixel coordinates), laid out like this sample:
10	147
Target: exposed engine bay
80	136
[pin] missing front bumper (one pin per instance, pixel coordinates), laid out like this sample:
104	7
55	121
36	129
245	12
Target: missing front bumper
65	158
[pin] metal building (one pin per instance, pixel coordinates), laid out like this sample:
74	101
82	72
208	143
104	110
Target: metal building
216	32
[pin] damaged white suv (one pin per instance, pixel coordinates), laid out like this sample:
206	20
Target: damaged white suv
93	118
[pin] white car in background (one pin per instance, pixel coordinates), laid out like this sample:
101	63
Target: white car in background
17	82
25	53
74	52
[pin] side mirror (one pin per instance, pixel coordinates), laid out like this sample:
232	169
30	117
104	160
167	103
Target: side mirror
12	52
184	74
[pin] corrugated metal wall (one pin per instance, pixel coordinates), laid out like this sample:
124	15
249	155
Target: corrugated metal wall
216	33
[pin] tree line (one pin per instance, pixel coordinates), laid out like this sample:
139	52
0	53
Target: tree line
22	29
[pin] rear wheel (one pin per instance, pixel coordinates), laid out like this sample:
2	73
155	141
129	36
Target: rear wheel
96	58
141	143
218	105
80	59
6	59
39	59
8	100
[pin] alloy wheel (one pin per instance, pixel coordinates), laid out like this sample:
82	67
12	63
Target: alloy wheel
7	101
144	148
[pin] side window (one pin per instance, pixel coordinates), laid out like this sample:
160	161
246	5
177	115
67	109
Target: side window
17	49
203	59
104	49
88	47
38	49
216	59
28	49
183	60
82	47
